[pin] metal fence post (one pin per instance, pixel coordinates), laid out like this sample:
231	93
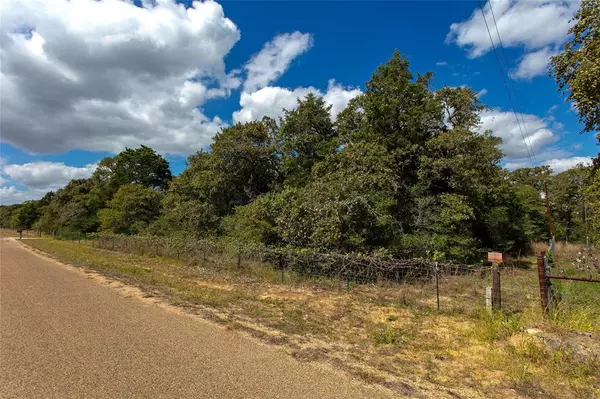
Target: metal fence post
543	280
548	269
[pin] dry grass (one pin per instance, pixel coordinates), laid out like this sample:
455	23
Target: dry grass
565	252
13	233
386	333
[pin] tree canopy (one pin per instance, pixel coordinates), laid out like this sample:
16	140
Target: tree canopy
403	170
577	68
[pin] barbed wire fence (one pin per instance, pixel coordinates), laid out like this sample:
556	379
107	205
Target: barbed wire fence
425	276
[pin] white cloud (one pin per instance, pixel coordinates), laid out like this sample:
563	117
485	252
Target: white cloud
12	195
537	26
482	92
274	59
338	97
532	24
47	175
270	101
102	75
441	63
258	99
533	64
557	164
504	124
562	164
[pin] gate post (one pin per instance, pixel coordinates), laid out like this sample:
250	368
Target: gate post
543	280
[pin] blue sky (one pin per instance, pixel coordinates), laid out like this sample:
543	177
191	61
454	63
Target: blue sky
103	76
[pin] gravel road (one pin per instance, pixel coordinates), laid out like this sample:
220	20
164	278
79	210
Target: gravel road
65	335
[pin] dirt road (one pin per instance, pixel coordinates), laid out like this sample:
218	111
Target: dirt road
64	335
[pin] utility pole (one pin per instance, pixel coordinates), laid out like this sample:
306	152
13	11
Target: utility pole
549	213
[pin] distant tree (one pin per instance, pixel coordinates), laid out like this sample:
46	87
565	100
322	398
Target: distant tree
76	205
245	156
592	208
533	177
567	194
131	210
577	68
346	205
241	166
25	216
141	166
6	214
306	136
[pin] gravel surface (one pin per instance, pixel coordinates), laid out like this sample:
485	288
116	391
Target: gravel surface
65	335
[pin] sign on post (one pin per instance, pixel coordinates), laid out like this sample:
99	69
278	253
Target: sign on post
495	257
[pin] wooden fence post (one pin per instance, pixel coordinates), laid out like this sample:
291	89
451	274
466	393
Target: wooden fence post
496	292
543	280
437	287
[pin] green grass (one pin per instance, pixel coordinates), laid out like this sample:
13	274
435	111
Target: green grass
387	335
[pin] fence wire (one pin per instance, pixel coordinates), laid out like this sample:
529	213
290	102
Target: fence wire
360	268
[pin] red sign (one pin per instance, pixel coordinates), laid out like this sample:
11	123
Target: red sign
495	257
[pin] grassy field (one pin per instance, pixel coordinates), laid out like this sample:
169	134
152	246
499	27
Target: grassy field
389	334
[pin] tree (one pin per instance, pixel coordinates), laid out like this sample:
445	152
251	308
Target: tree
567	193
6	214
577	68
141	166
307	135
25	216
245	156
131	210
76	206
592	208
346	205
400	113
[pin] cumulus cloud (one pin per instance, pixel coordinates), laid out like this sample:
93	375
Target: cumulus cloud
533	64
102	75
12	195
534	129
562	164
259	98
557	164
533	25
271	101
274	59
47	175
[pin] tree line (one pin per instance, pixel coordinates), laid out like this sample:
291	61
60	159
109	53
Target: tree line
402	171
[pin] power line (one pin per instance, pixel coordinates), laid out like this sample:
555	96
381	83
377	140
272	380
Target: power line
529	152
525	138
512	83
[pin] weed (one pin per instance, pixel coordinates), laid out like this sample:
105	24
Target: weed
386	335
498	325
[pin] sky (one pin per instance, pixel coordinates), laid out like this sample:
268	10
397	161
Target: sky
83	79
